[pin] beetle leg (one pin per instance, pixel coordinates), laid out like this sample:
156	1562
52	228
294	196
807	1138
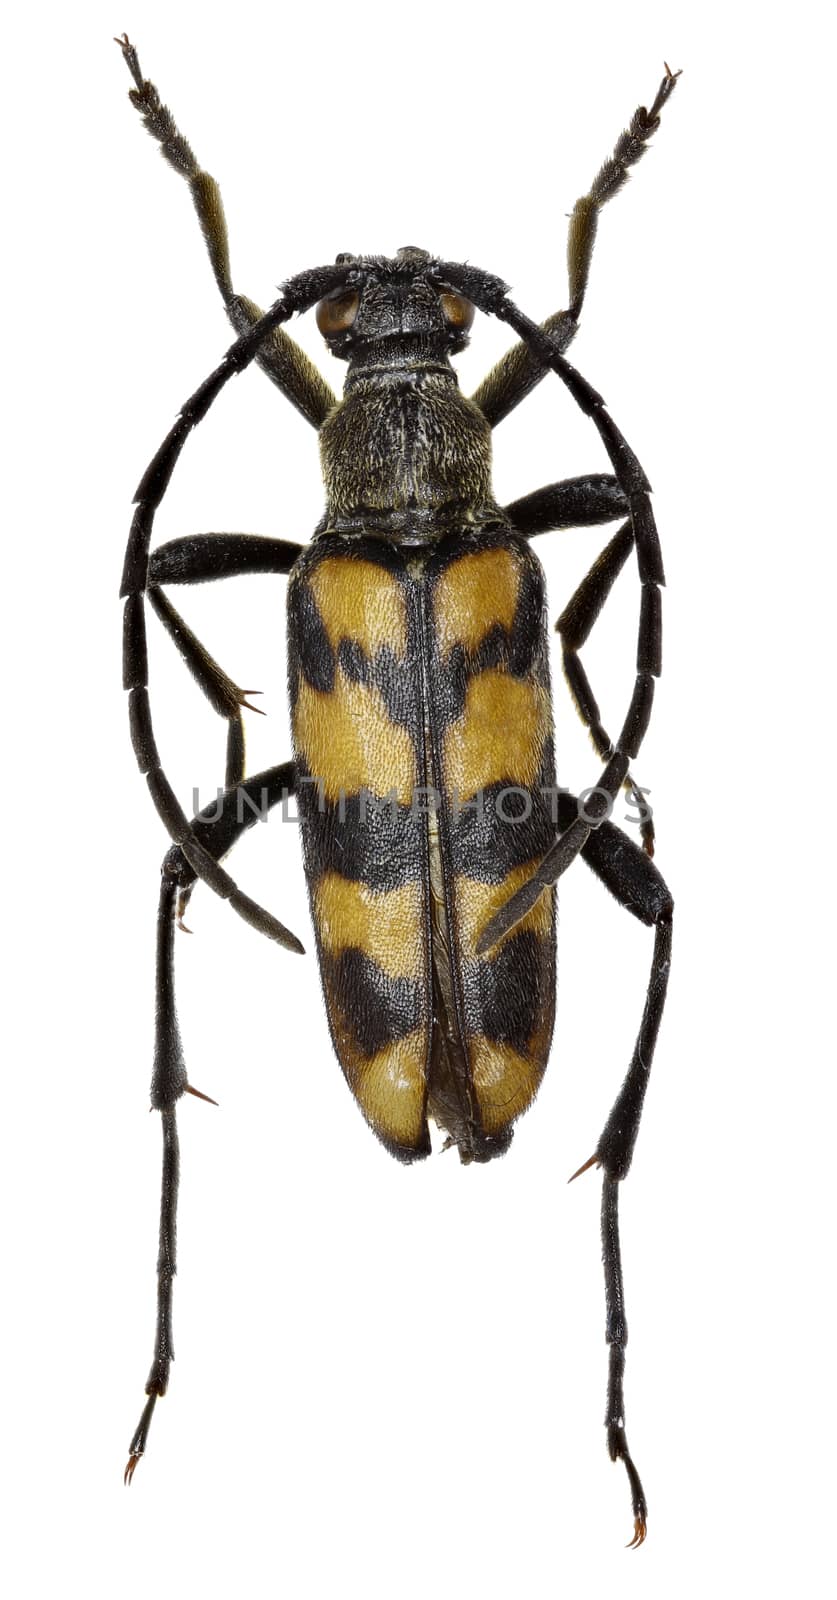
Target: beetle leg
224	696
204	557
575	625
220	825
578	502
219	828
167	1085
281	357
638	886
201	860
518	371
572	503
630	148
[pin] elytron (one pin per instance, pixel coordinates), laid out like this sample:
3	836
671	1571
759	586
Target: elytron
418	667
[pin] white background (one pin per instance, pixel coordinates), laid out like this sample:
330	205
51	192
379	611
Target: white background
391	1381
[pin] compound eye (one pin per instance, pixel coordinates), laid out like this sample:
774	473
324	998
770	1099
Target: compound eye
337	312
458	312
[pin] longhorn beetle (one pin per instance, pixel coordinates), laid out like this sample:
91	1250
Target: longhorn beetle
423	767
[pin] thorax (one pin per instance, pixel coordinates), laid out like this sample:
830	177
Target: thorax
406	439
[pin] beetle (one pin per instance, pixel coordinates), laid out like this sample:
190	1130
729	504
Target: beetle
433	829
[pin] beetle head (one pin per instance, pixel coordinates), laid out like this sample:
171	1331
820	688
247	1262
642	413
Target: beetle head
387	301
